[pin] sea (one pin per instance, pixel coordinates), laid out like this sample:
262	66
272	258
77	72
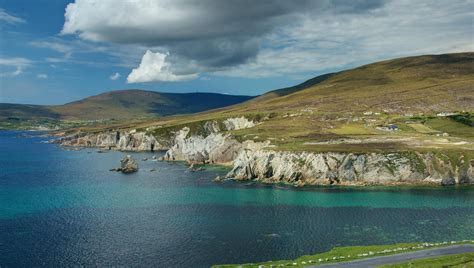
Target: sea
62	207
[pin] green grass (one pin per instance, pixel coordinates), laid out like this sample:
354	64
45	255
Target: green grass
451	127
421	128
342	254
455	261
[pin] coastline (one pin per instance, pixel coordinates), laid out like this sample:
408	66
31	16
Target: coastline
257	161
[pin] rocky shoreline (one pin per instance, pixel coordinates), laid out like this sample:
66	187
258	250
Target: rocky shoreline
252	160
117	140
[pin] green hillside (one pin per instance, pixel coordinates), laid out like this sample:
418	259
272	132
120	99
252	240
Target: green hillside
123	104
415	84
348	111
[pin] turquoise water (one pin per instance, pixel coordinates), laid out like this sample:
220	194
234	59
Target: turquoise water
61	207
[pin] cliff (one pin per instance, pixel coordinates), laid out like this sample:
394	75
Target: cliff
255	160
350	169
119	140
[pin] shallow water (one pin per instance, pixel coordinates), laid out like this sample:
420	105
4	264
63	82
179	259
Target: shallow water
61	207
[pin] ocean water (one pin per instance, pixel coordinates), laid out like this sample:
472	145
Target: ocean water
63	208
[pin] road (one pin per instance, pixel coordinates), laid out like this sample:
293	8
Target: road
402	257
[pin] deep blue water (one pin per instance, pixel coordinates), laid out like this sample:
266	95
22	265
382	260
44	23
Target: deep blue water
63	208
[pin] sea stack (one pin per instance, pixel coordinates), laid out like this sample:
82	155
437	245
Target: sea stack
128	165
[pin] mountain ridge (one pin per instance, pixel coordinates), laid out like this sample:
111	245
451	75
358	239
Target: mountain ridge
124	104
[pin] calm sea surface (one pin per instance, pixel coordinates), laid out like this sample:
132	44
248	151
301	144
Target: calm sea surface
63	208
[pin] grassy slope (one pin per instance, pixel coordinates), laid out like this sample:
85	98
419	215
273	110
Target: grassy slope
332	109
454	261
343	254
415	84
124	104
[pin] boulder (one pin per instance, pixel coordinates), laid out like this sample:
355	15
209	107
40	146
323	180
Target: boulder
128	165
448	181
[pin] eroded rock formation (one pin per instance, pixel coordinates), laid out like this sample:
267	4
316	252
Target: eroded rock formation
347	168
254	160
119	140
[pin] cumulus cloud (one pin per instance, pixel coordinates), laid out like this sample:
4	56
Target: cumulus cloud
10	19
42	76
115	76
399	28
268	38
202	35
13	66
153	68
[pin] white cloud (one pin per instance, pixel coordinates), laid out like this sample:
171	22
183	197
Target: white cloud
10	19
400	28
15	66
200	35
268	38
56	46
42	76
74	50
154	68
115	76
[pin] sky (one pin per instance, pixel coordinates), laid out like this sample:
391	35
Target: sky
57	51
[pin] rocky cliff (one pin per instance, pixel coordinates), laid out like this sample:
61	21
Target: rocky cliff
213	148
119	140
254	160
347	168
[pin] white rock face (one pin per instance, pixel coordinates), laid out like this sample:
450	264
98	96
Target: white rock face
124	141
137	141
253	160
344	168
214	148
237	123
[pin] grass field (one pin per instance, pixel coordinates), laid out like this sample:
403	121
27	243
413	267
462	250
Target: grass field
453	261
342	254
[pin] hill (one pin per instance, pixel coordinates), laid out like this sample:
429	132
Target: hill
123	104
414	84
350	110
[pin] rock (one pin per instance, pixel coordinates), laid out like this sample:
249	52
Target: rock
237	123
114	169
152	170
448	181
154	157
345	168
128	165
144	159
214	148
124	141
211	127
218	179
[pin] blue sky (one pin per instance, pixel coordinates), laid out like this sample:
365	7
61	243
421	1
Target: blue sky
54	51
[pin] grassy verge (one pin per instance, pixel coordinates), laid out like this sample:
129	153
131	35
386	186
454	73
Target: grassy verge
455	260
341	254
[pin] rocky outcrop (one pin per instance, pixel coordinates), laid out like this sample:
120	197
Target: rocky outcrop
253	160
347	168
237	123
128	165
119	140
214	148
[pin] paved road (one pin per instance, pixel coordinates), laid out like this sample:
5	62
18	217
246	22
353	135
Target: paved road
402	257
